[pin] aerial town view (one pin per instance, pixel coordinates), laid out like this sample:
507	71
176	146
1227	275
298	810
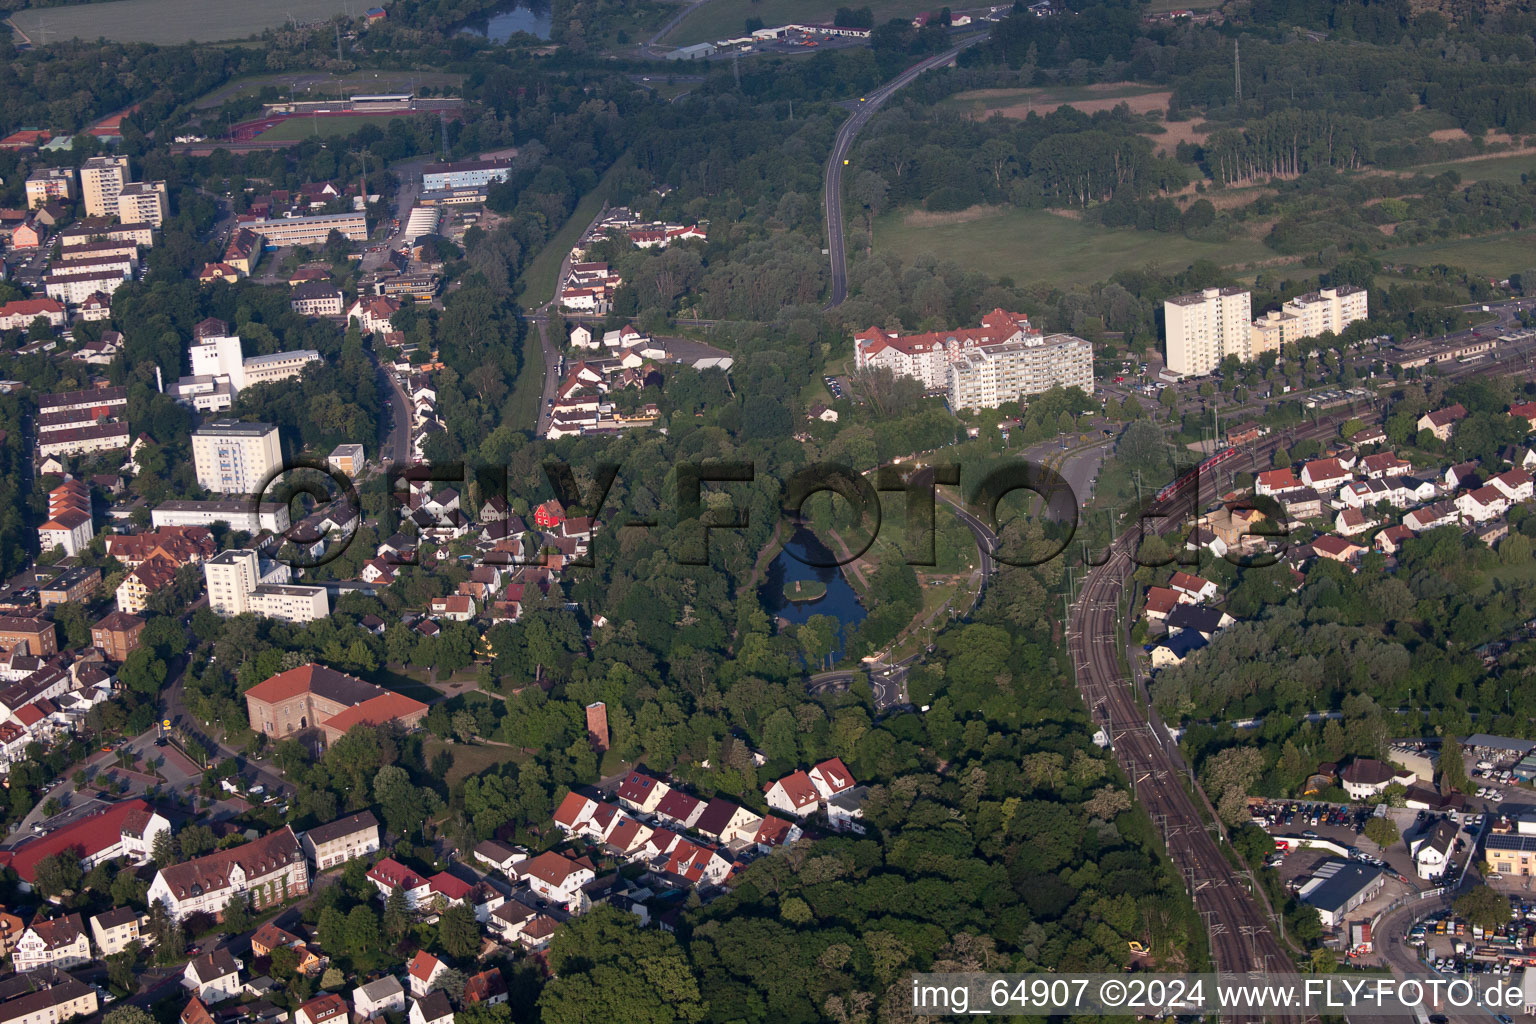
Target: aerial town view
764	511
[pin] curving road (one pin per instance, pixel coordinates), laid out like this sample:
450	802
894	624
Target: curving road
832	191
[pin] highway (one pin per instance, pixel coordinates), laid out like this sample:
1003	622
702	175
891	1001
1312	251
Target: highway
832	190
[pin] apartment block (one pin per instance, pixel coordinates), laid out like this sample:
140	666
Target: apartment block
1203	328
464	174
311	230
233	457
101	180
1328	309
993	374
241	582
142	202
47	183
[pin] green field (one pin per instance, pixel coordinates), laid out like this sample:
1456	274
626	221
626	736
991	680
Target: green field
1035	247
1494	255
1506	169
170	21
726	19
302	127
543	271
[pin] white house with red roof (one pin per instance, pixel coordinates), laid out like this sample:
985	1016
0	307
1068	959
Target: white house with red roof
1384	464
1515	484
557	876
573	811
1482	504
831	777
775	831
695	863
1276	481
453	889
422	971
1352	521
389	874
680	808
641	793
794	794
1525	411
1325	474
1194	587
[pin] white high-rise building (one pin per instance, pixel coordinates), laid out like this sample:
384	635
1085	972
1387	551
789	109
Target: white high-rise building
142	202
220	370
101	180
240	582
1330	309
232	457
990	375
1204	328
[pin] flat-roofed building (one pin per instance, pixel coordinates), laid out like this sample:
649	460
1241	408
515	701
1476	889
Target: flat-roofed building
464	174
990	375
142	202
234	457
101	180
311	231
1203	328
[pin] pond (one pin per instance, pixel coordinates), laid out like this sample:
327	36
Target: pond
502	24
840	600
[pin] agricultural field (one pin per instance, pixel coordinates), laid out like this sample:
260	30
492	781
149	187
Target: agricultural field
302	127
1036	247
980	104
726	19
169	21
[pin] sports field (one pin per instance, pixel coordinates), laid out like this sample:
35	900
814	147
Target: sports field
726	19
302	127
171	21
1035	247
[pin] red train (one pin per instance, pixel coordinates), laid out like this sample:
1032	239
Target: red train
1188	479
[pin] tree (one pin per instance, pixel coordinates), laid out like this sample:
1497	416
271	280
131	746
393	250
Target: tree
1382	831
451	981
458	933
607	968
237	914
57	874
1483	906
1453	770
397	913
1142	445
285	963
127	1015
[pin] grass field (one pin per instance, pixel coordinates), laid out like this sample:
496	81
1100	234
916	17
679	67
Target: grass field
1495	255
725	19
170	21
1035	247
1506	169
302	127
470	758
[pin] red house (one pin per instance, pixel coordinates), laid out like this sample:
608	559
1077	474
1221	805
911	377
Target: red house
549	515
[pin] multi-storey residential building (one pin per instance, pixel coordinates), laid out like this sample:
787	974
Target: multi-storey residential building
18	314
148	577
99	229
1329	309
69	526
1203	328
346	459
464	174
988	376
354	836
269	870
58	943
927	357
117	635
101	179
311	231
142	202
220	369
316	298
47	183
243	516
75	288
115	930
37	635
240	582
233	457
58	1002
76	583
180	545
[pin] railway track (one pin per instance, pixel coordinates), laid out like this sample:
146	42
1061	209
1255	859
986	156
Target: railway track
1237	919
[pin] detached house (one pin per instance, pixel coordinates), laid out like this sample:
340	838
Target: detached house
794	794
340	841
422	971
641	793
558	877
115	930
1324	475
213	977
433	1008
830	778
1193	587
377	997
329	1008
1442	422
389	874
58	943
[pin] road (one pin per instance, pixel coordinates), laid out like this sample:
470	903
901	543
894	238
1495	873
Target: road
832	190
553	362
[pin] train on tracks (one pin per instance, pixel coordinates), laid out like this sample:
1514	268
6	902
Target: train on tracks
1190	479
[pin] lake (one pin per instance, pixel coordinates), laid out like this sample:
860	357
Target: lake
503	24
840	600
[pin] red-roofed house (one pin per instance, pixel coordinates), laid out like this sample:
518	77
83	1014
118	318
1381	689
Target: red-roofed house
696	863
1192	586
1516	484
794	794
831	777
329	1008
1482	504
574	810
1390	540
1276	481
680	808
1324	474
1442	422
557	876
485	989
1336	548
775	831
641	793
58	943
421	972
1525	411
1161	601
450	887
389	874
1384	464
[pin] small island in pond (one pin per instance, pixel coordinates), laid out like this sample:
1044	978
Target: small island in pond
804	590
